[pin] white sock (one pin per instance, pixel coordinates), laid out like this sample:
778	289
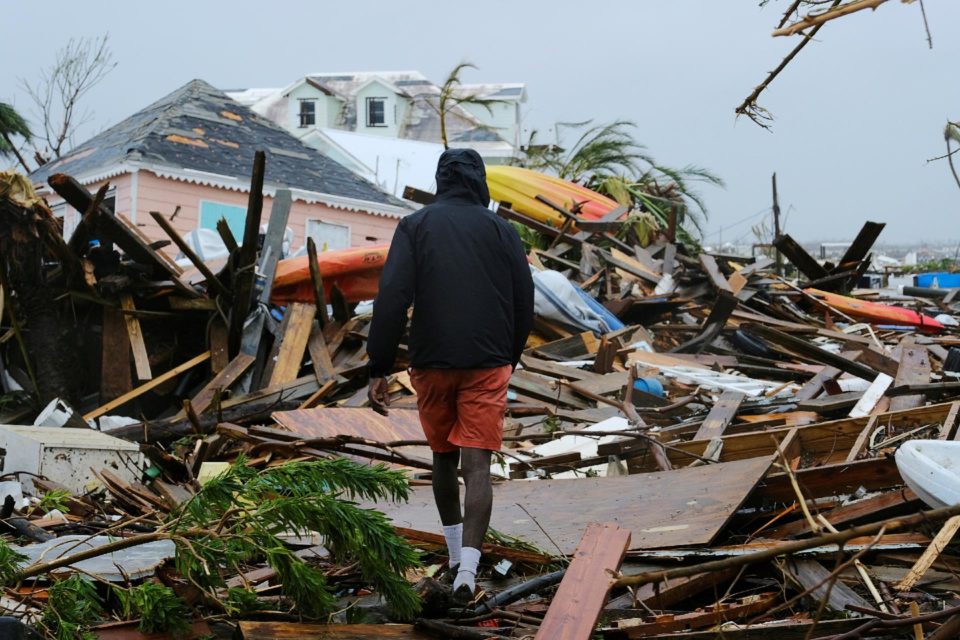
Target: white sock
454	536
469	560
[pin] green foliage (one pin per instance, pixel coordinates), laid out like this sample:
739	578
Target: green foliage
244	511
530	238
160	609
452	96
73	605
11	124
608	159
242	601
10	562
54	499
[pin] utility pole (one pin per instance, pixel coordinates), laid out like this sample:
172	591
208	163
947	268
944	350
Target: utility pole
776	225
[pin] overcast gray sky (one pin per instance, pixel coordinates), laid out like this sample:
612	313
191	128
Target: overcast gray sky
858	112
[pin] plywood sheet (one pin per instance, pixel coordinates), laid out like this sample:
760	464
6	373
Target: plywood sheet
664	509
327	422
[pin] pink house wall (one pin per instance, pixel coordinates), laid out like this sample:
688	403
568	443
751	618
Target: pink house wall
154	193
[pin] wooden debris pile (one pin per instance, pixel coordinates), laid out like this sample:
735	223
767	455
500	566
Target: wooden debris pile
719	461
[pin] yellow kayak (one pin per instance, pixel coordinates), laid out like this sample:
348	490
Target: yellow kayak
520	187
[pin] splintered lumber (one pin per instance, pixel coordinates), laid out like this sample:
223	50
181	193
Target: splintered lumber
809	351
212	281
120	230
860	246
871	396
157	381
711	616
883	505
808	574
930	555
663	595
426	539
814	385
236	368
774	630
273	241
914	369
115	376
317	280
800	258
141	358
713	272
298	321
579	600
720	312
320	354
300	631
329	422
246	256
721	414
661	509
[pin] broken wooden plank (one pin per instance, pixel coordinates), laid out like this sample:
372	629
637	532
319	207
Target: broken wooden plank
709	264
802	260
576	607
249	630
721	414
298	322
138	347
115	375
236	368
320	354
808	573
661	508
317	280
814	385
213	282
810	351
827	404
914	369
930	554
871	396
157	381
244	272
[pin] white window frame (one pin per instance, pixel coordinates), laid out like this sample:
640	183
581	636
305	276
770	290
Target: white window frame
306	230
300	114
367	103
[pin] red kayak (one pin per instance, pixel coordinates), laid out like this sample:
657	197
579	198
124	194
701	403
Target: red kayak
356	272
875	312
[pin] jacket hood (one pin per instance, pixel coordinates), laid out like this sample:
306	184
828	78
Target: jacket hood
461	175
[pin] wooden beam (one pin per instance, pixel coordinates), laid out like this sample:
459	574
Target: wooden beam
802	260
914	369
212	280
713	272
294	343
141	358
115	376
930	555
127	397
236	368
810	351
814	385
579	600
871	396
317	280
320	355
246	256
721	414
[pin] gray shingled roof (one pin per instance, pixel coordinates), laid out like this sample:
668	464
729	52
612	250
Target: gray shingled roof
198	127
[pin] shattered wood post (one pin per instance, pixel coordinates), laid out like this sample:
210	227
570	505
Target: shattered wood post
317	279
776	224
576	607
245	274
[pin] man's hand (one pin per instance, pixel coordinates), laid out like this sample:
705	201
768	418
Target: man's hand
378	396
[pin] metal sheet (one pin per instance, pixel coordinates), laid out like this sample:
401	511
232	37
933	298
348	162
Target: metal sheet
132	563
683	507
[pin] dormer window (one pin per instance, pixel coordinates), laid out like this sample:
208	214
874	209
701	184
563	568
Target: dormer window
376	112
308	113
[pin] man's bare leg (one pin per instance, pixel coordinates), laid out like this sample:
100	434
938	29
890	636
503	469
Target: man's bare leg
478	505
446	493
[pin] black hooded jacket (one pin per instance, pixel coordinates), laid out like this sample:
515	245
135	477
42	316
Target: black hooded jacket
464	270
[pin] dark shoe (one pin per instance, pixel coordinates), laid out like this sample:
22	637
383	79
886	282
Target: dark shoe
449	575
463	596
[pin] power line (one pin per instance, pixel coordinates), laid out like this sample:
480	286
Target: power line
765	210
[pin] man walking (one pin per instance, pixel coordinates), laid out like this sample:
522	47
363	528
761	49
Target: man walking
465	272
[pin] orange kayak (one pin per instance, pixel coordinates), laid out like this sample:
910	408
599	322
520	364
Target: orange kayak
520	187
356	272
875	312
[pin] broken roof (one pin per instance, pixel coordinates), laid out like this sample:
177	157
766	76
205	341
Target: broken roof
200	129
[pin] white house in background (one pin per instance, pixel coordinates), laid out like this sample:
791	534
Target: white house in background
393	105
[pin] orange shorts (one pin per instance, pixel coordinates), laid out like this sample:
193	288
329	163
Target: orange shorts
462	407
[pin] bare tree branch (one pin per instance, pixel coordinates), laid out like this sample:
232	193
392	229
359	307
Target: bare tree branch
79	67
817	19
